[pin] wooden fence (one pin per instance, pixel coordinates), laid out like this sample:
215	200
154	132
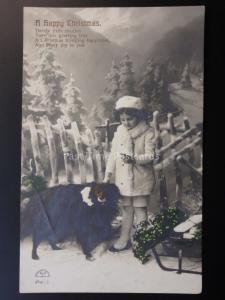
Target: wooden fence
86	149
175	146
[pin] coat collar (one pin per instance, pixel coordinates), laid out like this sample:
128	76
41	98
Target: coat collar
134	132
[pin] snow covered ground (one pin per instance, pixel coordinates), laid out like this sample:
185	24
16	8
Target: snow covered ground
69	271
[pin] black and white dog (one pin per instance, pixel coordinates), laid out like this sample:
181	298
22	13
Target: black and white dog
84	211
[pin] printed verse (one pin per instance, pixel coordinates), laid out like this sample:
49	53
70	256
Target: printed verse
65	35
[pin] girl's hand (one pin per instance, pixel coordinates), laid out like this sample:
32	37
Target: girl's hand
127	159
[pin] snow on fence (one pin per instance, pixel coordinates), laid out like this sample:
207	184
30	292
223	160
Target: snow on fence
86	149
90	152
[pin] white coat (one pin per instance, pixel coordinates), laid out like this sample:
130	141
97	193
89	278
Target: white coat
133	179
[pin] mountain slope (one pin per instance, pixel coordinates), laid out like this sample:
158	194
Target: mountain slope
182	45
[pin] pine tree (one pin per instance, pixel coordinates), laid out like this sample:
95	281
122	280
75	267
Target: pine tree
113	77
185	81
120	83
156	99
161	96
126	80
111	93
165	101
146	85
73	107
46	86
173	72
154	88
95	116
27	95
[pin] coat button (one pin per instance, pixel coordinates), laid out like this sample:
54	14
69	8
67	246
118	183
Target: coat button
121	183
122	164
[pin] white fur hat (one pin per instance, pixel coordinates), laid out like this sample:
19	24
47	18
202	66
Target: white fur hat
129	102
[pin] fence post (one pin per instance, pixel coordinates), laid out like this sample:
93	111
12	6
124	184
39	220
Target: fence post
161	176
191	154
66	152
99	157
89	161
107	135
35	146
177	168
80	152
52	150
89	165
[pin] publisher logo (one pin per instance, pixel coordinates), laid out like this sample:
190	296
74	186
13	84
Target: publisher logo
42	276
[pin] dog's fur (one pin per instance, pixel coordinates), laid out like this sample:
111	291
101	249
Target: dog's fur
67	211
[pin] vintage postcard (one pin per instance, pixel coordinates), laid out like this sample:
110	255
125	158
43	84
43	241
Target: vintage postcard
111	158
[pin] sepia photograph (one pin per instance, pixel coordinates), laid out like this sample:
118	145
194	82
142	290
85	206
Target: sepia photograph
111	150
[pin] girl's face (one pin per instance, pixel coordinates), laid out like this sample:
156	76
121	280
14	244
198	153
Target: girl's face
128	121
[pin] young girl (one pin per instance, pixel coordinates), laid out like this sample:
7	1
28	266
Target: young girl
131	160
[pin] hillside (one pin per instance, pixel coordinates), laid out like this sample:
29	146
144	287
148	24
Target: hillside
182	45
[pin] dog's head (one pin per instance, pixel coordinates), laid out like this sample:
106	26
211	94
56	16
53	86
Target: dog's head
100	193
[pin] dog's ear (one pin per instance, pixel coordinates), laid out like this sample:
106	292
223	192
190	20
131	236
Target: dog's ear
96	190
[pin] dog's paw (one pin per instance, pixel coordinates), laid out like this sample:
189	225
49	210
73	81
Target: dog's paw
35	256
90	258
57	248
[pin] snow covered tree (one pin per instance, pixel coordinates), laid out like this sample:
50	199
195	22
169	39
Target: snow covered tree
95	116
185	81
146	85
111	93
126	79
27	95
72	106
173	72
156	95
113	77
120	83
164	95
154	88
46	86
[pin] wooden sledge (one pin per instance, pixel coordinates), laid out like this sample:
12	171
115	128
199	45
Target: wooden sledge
183	234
